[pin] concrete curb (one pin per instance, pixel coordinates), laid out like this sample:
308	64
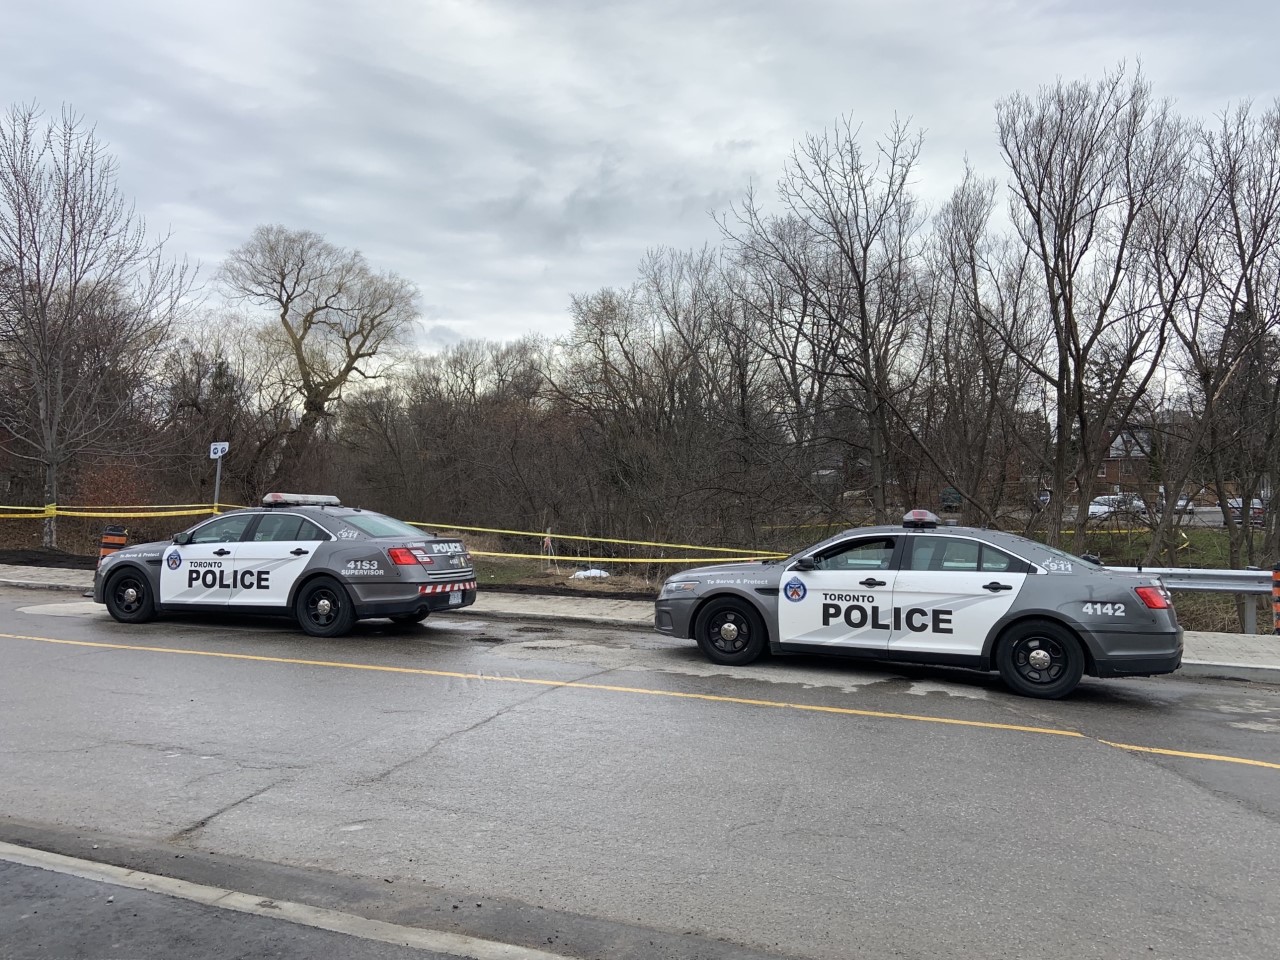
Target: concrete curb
1228	671
35	585
554	617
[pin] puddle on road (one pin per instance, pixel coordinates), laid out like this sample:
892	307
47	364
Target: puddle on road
687	661
67	608
922	688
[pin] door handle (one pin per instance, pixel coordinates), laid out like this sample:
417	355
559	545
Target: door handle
299	551
871	583
221	552
997	587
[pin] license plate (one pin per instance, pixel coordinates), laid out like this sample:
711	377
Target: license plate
455	598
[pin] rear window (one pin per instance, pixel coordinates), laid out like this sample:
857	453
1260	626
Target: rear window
376	525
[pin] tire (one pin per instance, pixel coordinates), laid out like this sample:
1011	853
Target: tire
1040	659
129	597
324	609
730	632
405	619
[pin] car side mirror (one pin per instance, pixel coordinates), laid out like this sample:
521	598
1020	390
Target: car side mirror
183	538
805	563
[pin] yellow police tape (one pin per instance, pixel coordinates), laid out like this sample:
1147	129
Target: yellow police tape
111	512
570	536
608	560
201	509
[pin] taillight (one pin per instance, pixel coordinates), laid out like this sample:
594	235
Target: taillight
1156	598
402	556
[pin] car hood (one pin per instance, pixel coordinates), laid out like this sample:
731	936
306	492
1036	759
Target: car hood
157	547
754	570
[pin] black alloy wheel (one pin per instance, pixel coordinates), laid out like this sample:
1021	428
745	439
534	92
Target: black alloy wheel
129	597
1040	659
324	609
730	632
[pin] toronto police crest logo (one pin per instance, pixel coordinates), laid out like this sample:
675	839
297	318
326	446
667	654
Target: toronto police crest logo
174	560
795	590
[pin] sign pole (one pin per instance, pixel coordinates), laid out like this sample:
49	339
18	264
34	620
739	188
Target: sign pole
216	452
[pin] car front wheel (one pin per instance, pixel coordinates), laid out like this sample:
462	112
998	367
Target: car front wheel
129	598
1040	659
730	632
324	609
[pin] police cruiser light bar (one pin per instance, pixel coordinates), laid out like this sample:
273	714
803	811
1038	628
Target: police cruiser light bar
920	519
300	500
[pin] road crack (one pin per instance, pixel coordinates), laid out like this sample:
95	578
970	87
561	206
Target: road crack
390	771
186	832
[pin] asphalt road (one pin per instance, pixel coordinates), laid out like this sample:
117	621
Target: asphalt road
602	792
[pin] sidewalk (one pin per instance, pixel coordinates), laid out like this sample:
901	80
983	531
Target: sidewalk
1229	655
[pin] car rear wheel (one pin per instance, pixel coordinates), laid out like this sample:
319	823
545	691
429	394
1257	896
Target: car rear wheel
1040	659
129	598
730	632
324	609
407	618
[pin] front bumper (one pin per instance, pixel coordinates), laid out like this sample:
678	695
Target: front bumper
1134	654
674	616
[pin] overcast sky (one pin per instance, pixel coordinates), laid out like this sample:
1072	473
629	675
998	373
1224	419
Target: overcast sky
504	155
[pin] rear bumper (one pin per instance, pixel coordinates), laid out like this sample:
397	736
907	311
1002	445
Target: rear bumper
393	600
1121	654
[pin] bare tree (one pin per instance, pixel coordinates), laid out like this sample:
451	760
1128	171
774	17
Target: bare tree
87	300
219	381
972	410
1087	163
335	313
849	244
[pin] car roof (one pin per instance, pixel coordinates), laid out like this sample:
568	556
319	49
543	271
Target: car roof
1025	547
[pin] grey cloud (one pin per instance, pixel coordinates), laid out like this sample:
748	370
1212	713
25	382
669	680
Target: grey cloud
506	155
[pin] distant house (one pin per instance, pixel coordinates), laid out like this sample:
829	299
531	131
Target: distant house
1128	461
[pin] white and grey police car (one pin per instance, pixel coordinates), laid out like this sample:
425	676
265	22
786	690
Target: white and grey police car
303	555
955	596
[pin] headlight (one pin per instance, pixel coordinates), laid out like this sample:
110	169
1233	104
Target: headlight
677	588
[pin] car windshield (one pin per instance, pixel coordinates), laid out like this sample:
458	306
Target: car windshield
377	525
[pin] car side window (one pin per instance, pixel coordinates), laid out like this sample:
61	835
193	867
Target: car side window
310	532
994	561
275	526
223	530
872	554
945	553
287	527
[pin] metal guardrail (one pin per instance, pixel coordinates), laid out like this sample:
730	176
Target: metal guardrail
1239	582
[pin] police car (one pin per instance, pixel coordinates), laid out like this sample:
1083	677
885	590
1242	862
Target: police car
919	593
300	554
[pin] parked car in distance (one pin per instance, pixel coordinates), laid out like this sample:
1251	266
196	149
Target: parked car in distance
1236	508
1185	505
1117	505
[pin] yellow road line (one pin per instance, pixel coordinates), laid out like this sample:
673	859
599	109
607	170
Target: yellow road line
1217	757
645	691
